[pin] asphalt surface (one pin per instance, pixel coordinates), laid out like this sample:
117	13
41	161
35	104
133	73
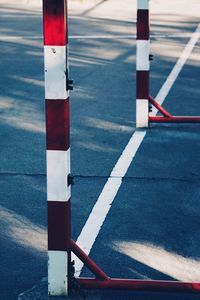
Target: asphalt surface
156	211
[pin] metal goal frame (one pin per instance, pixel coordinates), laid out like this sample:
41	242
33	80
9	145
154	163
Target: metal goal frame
57	86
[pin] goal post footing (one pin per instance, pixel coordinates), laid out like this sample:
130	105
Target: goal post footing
139	285
103	281
167	117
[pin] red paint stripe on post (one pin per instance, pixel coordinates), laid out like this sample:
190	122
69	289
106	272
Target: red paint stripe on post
142	24
57	124
142	84
59	228
55	23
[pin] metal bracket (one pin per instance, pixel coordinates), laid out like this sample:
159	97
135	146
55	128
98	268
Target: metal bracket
151	57
69	84
70	180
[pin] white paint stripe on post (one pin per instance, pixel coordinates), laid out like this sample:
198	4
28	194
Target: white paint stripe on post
101	208
142	116
142	55
57	270
58	169
55	67
142	64
176	69
128	154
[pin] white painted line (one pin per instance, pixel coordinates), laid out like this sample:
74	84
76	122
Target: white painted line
176	69
100	210
128	154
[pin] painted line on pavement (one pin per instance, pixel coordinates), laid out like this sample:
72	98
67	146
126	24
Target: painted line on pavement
100	210
103	204
176	69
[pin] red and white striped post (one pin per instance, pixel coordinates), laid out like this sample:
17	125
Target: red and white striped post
57	86
142	64
57	144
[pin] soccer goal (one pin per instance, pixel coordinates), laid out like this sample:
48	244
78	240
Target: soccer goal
57	87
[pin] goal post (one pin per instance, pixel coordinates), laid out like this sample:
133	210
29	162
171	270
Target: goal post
142	64
61	277
57	86
144	100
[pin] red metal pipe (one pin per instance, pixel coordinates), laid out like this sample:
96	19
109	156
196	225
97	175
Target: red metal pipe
88	261
159	107
174	119
104	282
142	285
